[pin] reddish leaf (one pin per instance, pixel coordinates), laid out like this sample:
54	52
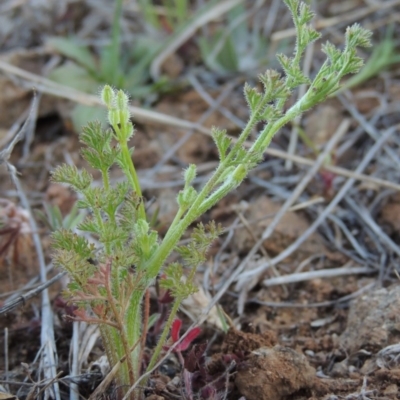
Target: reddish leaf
191	335
175	329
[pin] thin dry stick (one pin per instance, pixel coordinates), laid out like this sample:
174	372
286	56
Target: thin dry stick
146	116
306	204
350	237
6	364
7	307
19	135
13	130
74	349
363	213
325	273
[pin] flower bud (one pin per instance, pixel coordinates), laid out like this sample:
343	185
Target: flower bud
122	100
189	195
190	174
108	96
113	117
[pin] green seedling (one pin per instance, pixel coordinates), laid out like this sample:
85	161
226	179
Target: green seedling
53	219
111	277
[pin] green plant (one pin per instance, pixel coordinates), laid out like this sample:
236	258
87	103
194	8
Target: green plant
54	220
112	278
128	70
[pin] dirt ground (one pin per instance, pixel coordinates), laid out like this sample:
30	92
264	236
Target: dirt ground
307	270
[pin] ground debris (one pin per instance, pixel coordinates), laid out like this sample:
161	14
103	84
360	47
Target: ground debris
245	342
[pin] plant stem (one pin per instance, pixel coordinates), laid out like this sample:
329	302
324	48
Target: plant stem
112	345
266	135
121	327
133	324
163	337
154	264
133	178
106	179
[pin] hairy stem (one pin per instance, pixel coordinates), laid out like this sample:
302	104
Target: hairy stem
133	178
133	324
164	334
